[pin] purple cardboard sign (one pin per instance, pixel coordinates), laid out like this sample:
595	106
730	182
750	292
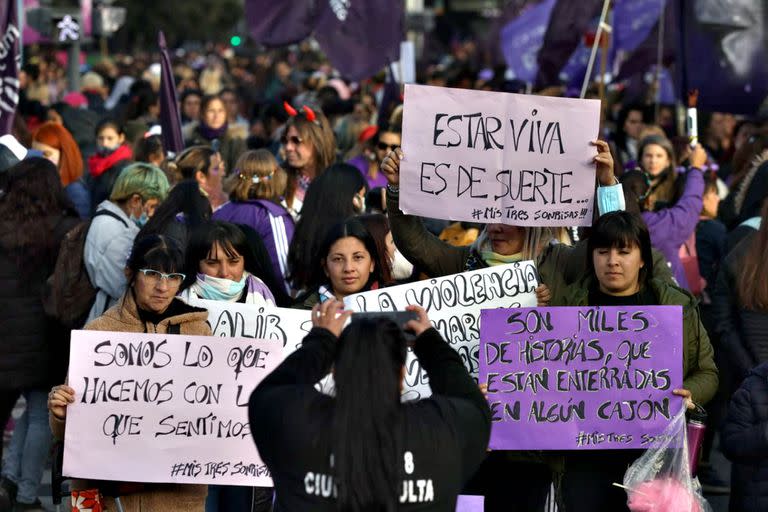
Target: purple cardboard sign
466	503
574	378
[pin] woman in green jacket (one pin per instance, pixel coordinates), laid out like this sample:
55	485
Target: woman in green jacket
620	273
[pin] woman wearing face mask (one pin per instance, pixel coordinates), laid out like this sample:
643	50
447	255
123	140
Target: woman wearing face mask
345	265
621	274
213	126
112	156
221	266
58	146
149	305
137	192
336	195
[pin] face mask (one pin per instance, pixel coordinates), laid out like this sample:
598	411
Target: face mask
401	267
106	150
140	221
216	288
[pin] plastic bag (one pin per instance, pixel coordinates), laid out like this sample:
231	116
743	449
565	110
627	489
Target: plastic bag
660	480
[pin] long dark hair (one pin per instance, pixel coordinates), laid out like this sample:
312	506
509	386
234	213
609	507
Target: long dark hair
327	202
349	228
32	200
366	433
232	238
157	252
183	199
377	225
620	230
752	277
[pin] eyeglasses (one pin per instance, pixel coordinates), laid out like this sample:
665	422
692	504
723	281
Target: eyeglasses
154	277
293	139
382	146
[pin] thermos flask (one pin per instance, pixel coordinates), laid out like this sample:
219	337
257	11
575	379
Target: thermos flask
695	428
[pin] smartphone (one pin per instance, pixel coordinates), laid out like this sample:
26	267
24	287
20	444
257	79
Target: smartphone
399	317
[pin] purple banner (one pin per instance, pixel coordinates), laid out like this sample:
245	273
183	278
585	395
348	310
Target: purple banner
567	378
9	64
522	38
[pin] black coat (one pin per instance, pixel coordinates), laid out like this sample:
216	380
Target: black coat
744	440
33	350
743	333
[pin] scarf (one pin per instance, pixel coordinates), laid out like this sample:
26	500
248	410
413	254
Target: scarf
484	249
209	133
98	164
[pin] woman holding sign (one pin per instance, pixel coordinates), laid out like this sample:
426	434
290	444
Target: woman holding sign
621	274
363	449
497	244
148	305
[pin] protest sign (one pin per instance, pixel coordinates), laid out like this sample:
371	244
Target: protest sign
453	304
235	320
165	408
467	503
482	156
568	378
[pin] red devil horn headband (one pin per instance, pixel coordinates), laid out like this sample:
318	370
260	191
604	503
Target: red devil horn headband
310	114
289	109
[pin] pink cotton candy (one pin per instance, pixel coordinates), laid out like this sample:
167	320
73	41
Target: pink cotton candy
664	495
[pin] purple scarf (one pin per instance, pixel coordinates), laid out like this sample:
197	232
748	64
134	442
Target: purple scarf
209	133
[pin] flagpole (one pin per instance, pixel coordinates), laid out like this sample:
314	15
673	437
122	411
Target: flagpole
659	57
593	54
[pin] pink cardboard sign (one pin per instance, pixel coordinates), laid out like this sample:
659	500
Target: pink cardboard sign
165	408
497	157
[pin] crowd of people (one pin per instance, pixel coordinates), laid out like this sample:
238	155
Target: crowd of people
287	194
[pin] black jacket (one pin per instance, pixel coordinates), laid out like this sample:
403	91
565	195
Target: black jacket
743	333
744	441
446	434
33	351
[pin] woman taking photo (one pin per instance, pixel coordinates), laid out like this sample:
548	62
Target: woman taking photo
149	305
220	265
363	449
345	265
257	185
35	216
620	273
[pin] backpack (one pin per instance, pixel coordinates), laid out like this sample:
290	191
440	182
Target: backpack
69	293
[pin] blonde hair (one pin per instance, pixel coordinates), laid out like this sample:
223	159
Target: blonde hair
256	176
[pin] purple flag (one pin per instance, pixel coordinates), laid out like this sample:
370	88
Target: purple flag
9	64
569	22
633	20
280	22
361	36
645	53
581	378
521	39
170	118
724	50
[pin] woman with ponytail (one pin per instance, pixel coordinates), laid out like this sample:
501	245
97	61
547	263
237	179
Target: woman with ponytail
57	145
363	449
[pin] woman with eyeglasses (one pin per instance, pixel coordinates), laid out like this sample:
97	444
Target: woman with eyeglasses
375	148
257	185
309	148
149	305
